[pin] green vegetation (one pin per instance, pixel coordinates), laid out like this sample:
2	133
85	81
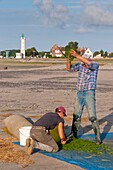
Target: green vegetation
12	53
31	52
81	145
69	46
87	146
54	134
103	53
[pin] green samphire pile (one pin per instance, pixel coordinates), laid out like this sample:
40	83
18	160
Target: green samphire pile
87	146
82	145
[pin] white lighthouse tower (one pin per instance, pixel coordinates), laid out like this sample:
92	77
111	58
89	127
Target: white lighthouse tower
23	43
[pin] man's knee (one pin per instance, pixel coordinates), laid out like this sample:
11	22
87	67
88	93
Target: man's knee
55	150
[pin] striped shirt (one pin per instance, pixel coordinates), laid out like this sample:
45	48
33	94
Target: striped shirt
87	77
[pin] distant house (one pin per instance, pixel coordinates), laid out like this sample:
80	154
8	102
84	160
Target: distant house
85	51
98	56
57	51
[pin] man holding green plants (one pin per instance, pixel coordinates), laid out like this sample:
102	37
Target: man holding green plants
87	76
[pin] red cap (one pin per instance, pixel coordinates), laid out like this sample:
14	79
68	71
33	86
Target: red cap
61	109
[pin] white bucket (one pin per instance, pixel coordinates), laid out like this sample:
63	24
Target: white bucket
24	134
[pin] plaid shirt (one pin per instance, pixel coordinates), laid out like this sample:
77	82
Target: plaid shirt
86	76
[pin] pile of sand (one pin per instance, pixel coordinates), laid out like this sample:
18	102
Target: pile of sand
10	152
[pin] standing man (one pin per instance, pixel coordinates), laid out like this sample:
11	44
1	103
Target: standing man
87	76
40	136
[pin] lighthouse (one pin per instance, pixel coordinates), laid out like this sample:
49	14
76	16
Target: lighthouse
23	43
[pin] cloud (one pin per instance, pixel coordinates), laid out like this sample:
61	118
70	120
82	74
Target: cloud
81	16
83	29
99	16
97	13
49	13
93	15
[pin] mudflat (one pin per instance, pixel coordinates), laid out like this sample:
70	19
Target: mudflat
32	88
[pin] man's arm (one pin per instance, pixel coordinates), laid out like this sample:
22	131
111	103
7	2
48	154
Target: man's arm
79	57
61	133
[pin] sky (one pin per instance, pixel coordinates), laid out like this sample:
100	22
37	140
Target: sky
48	22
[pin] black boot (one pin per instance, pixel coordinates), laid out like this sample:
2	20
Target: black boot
96	130
75	125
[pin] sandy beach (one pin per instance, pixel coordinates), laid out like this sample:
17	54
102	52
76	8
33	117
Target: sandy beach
33	90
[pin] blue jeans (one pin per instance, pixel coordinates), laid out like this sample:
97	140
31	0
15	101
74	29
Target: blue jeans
85	98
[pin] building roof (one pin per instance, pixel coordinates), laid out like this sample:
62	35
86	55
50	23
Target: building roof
22	35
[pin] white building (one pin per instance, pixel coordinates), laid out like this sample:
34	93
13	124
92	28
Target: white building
85	51
1	56
23	46
18	55
98	56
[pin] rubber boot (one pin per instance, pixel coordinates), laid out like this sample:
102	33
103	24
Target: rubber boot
75	125
96	130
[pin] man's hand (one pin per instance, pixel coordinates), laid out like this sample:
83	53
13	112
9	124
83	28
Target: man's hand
63	142
79	57
73	53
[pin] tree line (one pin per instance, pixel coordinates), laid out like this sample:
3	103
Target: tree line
32	52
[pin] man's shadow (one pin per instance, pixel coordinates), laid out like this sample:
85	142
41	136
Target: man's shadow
109	123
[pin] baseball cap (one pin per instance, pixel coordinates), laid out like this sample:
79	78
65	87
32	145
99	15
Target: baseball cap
61	109
86	56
